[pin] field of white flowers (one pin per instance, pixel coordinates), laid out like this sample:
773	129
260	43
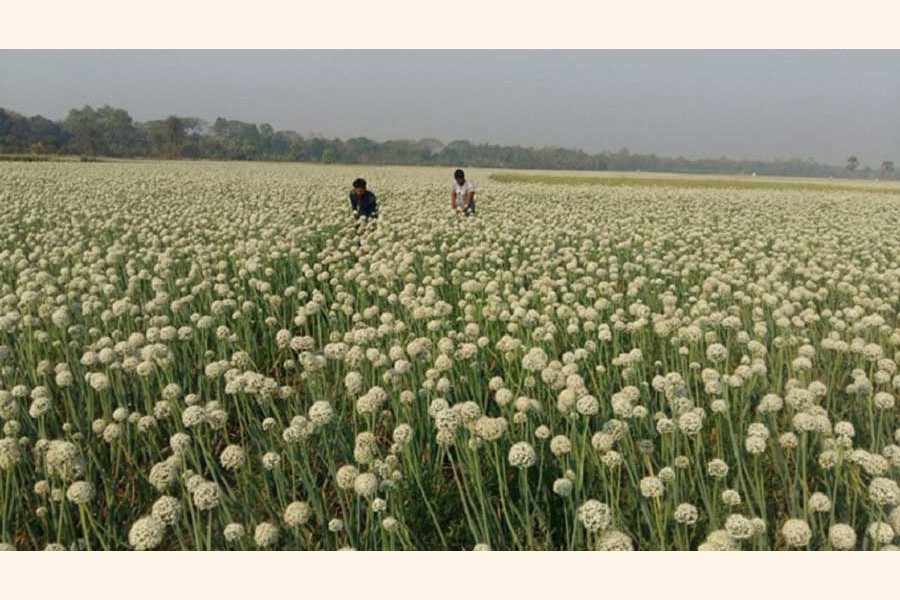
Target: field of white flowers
213	356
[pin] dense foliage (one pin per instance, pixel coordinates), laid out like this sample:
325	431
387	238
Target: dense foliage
108	131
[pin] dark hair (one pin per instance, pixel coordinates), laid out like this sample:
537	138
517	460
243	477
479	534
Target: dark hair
359	182
458	174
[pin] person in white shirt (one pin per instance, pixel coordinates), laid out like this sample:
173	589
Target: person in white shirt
462	197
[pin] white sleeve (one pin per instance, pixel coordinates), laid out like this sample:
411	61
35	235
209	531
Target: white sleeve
470	187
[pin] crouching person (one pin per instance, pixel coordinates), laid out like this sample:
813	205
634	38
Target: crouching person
362	201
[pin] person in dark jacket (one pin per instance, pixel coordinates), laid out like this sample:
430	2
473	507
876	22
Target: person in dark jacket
362	201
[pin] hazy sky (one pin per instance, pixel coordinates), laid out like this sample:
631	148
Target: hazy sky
743	104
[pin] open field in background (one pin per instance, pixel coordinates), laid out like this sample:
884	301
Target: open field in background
677	181
556	177
215	356
27	158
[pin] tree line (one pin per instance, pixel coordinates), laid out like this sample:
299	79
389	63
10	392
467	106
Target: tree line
112	132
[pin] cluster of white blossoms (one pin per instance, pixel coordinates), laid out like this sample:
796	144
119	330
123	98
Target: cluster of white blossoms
202	356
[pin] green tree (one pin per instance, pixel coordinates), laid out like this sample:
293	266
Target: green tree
14	131
852	163
44	135
120	135
104	131
176	132
239	140
328	156
168	136
84	128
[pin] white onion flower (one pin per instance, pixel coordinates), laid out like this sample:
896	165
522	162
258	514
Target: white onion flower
80	492
884	492
652	487
265	535
594	515
234	532
522	455
232	457
296	514
686	514
146	533
796	533
842	537
167	509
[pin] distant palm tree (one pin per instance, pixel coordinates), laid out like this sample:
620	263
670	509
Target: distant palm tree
887	168
852	163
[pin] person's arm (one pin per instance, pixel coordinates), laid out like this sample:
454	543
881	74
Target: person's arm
470	198
453	198
354	203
